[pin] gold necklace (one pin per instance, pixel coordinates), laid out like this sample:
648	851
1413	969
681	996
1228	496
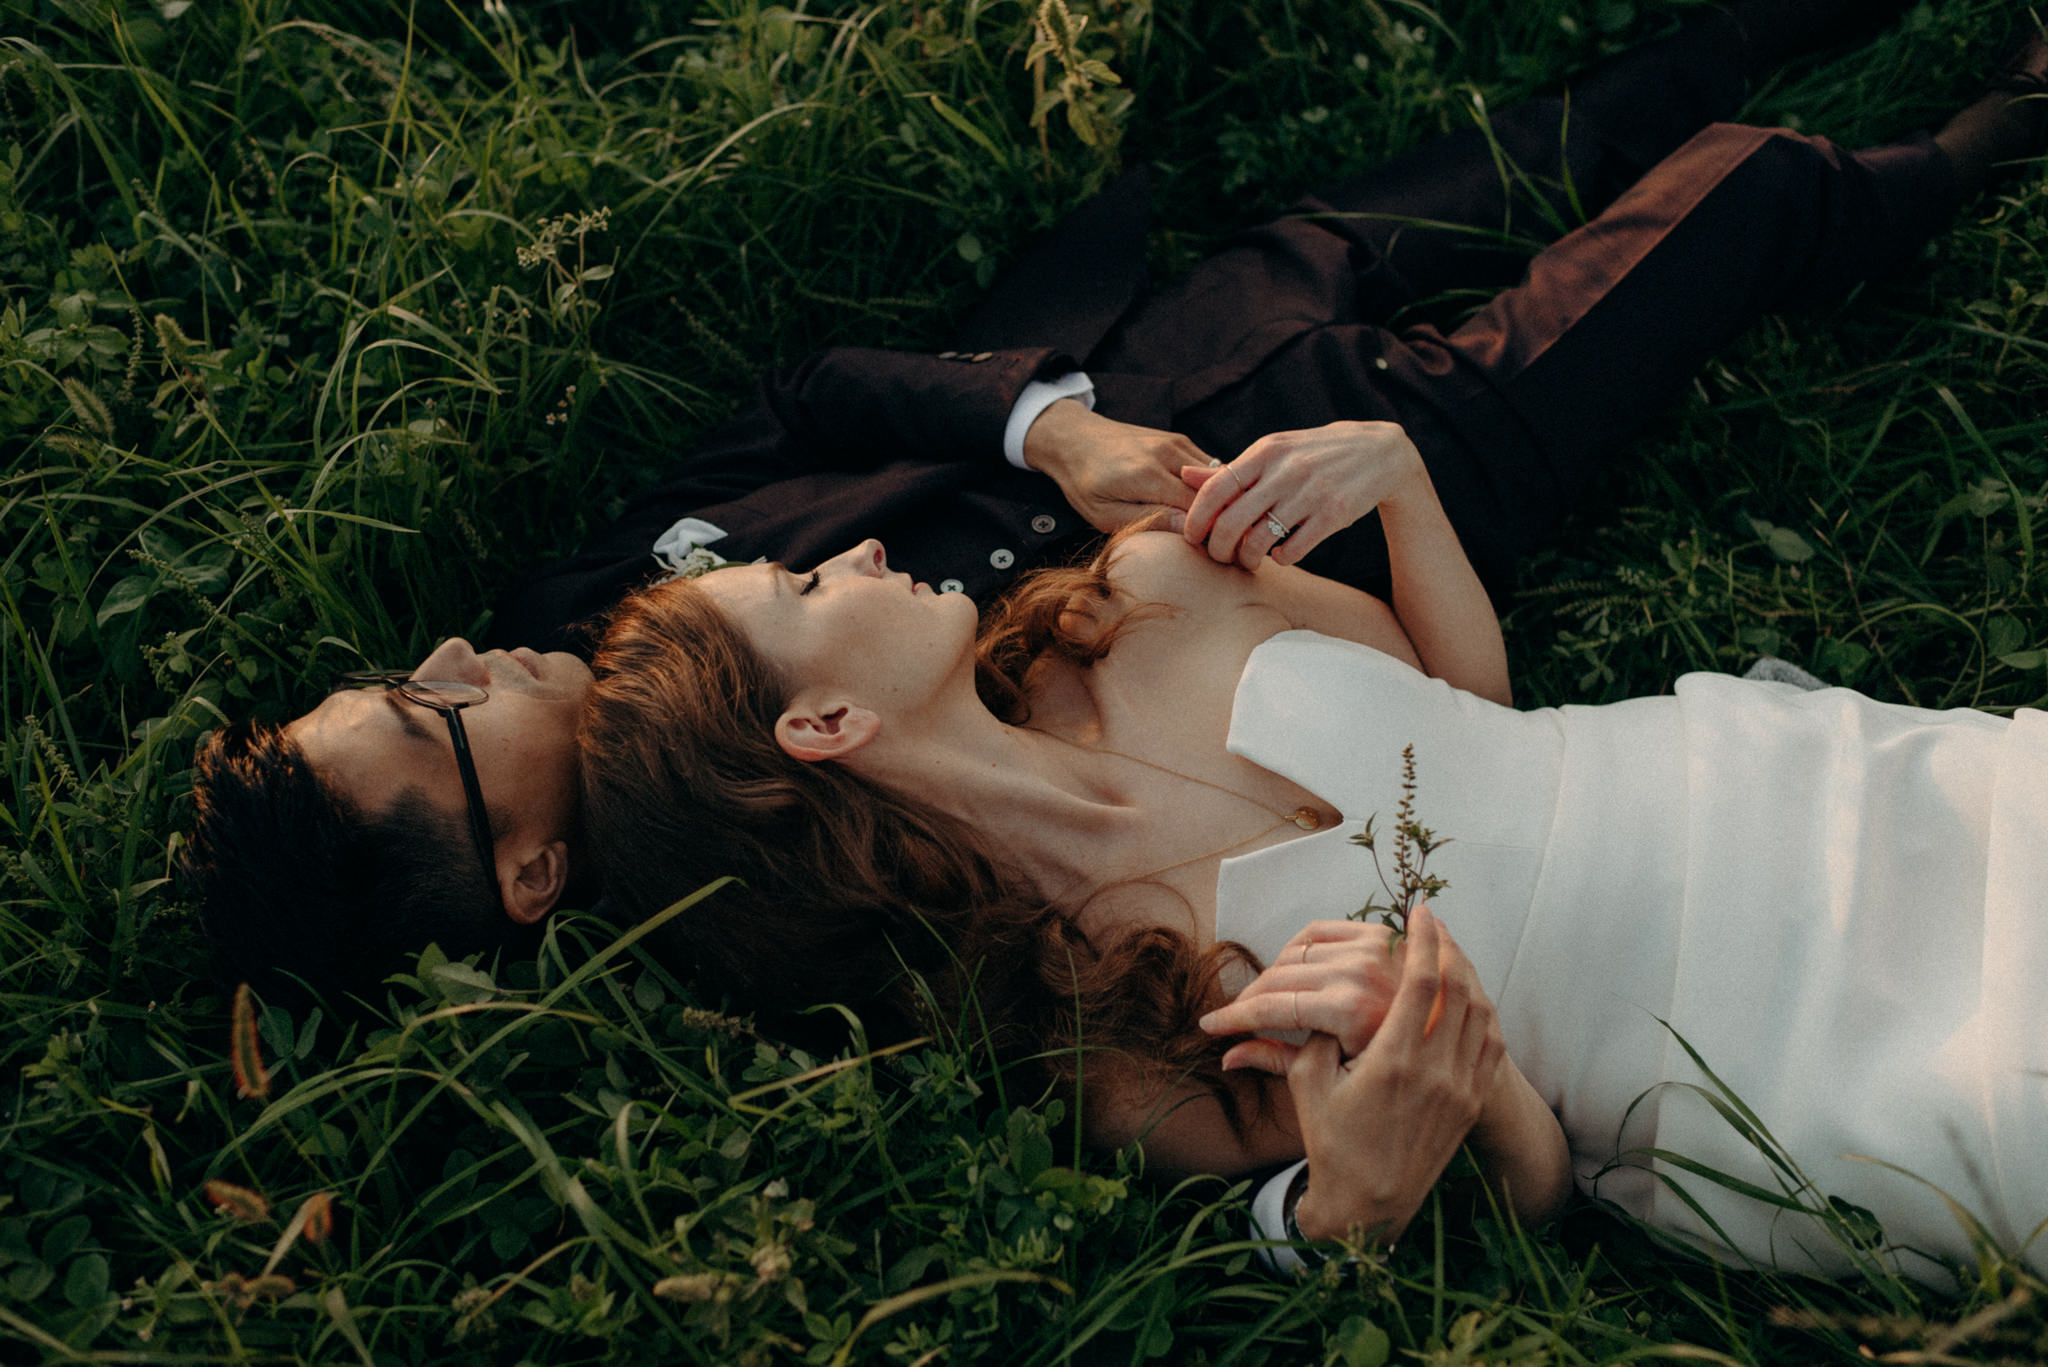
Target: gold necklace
1303	818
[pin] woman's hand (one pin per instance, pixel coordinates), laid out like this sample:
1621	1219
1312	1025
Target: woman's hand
1313	482
1289	491
1380	1127
1336	977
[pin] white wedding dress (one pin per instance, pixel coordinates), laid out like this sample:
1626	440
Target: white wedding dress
1840	904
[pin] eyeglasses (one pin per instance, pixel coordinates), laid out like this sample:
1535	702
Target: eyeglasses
448	699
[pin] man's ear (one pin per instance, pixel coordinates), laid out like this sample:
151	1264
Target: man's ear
531	889
831	729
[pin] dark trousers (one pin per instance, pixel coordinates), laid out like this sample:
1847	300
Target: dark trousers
1694	228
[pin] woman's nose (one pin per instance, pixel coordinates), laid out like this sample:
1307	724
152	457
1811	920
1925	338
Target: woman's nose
867	558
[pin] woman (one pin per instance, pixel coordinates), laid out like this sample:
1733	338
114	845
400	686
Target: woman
1072	823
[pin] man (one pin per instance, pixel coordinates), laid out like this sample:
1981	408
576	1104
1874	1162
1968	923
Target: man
328	849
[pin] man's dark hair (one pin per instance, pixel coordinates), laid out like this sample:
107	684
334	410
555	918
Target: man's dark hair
303	894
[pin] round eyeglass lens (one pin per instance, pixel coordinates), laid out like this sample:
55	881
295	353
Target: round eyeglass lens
437	692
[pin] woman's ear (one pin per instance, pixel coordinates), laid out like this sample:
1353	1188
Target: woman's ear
833	729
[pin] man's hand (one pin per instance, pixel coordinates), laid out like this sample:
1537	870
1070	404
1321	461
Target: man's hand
1311	483
1111	472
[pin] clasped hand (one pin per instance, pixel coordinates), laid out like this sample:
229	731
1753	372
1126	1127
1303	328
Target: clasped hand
1289	491
1405	1055
1307	484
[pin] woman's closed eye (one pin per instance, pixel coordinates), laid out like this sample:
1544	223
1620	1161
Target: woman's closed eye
809	584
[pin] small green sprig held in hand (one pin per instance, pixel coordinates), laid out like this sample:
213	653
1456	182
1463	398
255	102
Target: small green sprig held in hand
1413	844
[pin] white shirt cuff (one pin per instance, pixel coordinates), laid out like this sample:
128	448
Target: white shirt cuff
1269	1221
1038	396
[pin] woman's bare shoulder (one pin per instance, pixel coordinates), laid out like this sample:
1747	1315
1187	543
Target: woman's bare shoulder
1161	567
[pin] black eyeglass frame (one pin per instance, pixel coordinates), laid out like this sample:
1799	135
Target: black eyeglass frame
415	691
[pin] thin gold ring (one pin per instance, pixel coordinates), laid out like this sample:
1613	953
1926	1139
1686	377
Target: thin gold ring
1235	476
1295	997
1304	952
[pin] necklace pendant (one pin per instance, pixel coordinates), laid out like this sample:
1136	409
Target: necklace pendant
1307	818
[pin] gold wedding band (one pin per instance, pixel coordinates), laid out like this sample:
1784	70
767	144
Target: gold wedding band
1304	952
1295	997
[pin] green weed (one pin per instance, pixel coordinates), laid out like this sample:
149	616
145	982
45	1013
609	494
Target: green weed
319	322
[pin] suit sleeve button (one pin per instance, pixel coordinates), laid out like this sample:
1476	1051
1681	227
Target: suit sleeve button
1044	523
1002	559
951	586
949	355
982	356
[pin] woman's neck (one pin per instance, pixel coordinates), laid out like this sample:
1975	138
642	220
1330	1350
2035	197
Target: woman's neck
1066	807
1045	806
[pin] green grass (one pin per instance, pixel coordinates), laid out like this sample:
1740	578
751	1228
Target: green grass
309	340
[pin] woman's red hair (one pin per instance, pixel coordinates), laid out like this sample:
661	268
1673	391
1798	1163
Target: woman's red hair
850	892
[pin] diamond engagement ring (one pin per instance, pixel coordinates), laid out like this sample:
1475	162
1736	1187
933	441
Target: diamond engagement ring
1280	530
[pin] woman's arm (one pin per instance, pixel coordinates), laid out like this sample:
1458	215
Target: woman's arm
1522	1149
1318	481
1437	594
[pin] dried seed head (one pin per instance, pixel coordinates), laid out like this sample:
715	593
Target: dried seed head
245	1052
245	1205
91	409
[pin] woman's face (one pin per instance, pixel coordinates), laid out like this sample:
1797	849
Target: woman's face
851	625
